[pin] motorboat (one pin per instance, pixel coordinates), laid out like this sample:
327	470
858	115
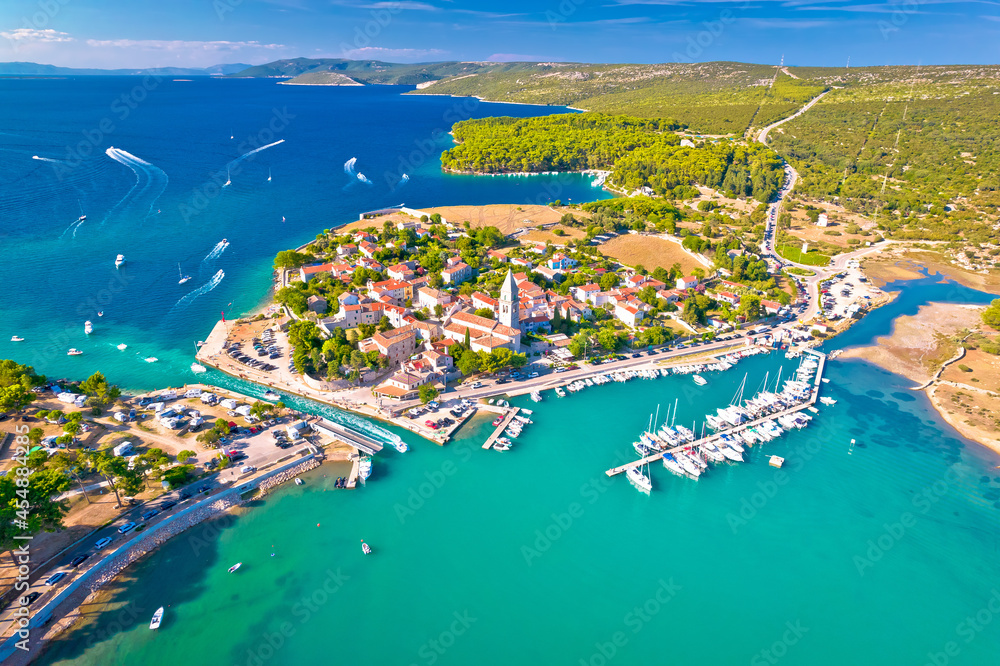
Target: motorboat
299	482
150	359
271	395
497	421
157	618
235	567
400	446
74	352
16	338
88	327
122	347
198	368
119	260
699	380
365	468
560	392
365	548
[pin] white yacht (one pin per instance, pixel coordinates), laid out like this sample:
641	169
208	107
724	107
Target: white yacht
16	338
639	479
157	618
74	352
122	347
151	359
88	327
699	380
401	446
119	260
198	368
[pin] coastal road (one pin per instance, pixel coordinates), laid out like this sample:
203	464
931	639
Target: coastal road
550	379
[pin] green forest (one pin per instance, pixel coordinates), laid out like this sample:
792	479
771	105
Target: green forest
639	152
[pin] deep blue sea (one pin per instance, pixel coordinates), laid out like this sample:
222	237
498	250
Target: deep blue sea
161	202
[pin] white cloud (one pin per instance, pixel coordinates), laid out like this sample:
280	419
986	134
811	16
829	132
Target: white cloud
382	53
181	45
29	35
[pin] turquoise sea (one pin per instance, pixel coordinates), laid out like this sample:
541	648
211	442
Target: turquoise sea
879	553
883	552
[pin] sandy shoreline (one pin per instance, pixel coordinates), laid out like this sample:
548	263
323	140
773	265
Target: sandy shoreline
961	384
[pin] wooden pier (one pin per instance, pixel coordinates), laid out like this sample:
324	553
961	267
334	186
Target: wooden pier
743	426
511	413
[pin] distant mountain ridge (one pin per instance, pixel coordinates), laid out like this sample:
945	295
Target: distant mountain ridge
37	69
372	72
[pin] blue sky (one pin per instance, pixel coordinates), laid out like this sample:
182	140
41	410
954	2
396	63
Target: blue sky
147	33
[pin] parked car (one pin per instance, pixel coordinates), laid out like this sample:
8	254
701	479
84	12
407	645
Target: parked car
102	543
149	514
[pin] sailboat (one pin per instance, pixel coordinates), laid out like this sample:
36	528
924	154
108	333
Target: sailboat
229	180
183	278
639	478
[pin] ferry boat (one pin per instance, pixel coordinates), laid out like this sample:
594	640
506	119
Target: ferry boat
365	548
88	327
16	338
639	479
365	469
157	618
119	260
699	380
235	567
122	347
74	352
198	368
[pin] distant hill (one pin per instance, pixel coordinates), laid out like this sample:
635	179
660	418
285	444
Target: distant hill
36	69
374	72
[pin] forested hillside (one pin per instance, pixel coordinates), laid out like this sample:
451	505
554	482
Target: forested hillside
638	152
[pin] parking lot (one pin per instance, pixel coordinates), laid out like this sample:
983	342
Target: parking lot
844	293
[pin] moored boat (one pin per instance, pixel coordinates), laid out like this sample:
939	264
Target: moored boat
699	380
639	479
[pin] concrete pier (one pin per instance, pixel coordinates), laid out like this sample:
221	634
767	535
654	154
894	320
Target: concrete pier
508	417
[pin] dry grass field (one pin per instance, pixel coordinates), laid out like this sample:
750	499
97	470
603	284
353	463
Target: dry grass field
649	251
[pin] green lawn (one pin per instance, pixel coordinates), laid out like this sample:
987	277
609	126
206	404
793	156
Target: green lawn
810	258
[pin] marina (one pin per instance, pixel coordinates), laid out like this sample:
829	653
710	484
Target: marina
506	417
764	417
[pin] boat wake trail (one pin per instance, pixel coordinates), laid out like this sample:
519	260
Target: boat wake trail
72	227
217	251
150	181
202	290
349	167
252	152
364	179
45	159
